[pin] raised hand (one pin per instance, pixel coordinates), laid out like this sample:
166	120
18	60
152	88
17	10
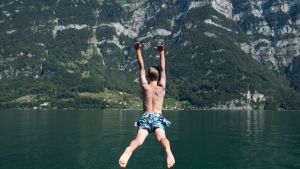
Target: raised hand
160	47
137	45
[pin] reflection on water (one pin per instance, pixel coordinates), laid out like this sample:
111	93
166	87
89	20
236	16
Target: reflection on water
255	125
200	139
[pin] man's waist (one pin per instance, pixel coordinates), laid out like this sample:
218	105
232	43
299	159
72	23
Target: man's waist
152	112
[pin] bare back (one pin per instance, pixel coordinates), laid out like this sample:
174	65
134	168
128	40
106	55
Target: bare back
153	92
153	97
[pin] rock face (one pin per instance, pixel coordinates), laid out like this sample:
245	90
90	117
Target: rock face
274	29
273	26
59	47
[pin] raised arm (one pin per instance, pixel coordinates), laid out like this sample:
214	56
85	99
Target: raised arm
162	81
143	80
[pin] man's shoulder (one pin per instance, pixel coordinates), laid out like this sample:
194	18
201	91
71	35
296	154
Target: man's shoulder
146	86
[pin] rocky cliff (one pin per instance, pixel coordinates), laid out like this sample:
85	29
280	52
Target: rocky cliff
220	53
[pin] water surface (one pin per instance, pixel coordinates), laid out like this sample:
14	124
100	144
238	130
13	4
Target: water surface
200	140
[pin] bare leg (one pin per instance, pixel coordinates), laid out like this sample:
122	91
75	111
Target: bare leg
161	137
140	138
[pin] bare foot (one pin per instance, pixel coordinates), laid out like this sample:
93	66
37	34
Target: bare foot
170	158
125	157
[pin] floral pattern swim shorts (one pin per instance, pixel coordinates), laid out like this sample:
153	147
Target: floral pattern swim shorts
151	121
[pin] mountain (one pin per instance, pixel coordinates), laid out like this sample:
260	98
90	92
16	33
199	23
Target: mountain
220	54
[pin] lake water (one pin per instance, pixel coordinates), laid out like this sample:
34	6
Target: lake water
95	139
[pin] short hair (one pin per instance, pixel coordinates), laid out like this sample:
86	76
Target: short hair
153	73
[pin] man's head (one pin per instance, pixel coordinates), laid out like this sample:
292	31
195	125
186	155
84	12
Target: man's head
153	73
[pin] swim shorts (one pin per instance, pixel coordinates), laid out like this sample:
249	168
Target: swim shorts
152	121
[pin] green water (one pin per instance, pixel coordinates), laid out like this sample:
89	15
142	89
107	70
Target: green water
199	139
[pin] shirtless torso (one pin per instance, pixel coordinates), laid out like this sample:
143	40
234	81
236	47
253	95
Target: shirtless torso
153	97
153	92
